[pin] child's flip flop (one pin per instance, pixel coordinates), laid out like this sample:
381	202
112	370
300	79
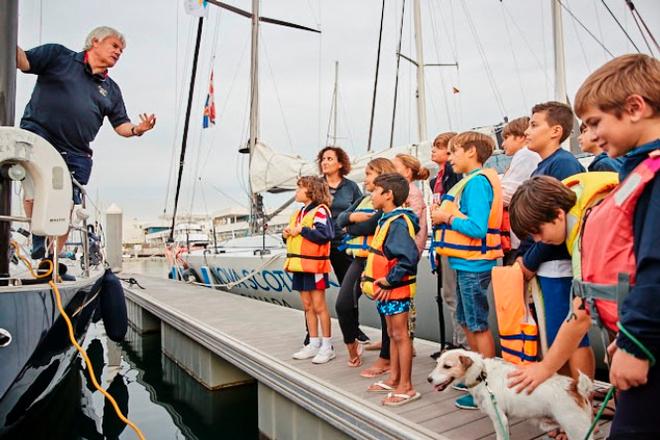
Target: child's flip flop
380	387
404	398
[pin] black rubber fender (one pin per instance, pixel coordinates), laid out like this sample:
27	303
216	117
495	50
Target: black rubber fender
113	307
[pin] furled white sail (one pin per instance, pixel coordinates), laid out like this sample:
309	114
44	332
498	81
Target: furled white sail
275	172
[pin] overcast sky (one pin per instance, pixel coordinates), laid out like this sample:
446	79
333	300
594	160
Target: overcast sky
297	74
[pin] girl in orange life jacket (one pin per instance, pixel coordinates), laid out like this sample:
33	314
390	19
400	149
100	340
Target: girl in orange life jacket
359	221
308	239
389	277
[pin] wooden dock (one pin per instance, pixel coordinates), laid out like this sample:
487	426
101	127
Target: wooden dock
258	338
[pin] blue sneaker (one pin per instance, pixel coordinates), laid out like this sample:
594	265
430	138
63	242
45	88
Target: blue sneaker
466	402
459	386
38	247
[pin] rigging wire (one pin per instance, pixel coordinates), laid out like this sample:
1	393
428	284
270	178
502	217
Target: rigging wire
632	8
600	27
396	77
584	27
620	26
204	136
277	95
489	73
541	65
177	107
582	49
373	99
442	78
347	119
515	59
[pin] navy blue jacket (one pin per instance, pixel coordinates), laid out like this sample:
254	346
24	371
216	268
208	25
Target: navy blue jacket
320	233
603	162
560	165
400	245
640	312
449	179
346	193
68	102
358	229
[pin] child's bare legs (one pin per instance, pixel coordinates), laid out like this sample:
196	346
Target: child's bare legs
403	345
583	360
471	340
310	314
485	344
321	312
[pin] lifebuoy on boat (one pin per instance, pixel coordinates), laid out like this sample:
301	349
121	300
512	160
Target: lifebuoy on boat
113	307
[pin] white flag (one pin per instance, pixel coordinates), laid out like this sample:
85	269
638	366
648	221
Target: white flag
197	8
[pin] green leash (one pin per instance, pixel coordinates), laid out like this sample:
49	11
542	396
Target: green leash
612	390
608	397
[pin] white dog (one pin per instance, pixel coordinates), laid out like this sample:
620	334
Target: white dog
558	402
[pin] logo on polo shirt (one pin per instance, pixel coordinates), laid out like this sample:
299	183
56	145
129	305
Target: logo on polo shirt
102	91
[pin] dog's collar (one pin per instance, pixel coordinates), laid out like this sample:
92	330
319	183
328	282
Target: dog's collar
481	378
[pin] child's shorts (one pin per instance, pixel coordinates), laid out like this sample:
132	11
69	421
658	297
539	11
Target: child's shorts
557	301
394	307
472	300
304	282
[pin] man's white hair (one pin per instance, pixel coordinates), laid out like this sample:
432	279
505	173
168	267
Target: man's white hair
101	33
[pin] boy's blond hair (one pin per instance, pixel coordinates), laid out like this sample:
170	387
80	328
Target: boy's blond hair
482	143
516	127
611	84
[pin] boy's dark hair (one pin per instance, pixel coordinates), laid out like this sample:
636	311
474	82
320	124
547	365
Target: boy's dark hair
482	143
442	140
536	201
557	113
396	183
342	158
516	127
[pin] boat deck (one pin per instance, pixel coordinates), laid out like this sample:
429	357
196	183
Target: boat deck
259	338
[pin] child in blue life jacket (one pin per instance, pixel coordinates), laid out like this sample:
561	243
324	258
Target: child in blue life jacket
360	221
620	104
308	239
390	278
467	230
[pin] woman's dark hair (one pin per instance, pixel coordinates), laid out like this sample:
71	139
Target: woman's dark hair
342	158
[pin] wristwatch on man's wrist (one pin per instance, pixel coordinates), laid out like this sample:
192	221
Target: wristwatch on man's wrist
134	131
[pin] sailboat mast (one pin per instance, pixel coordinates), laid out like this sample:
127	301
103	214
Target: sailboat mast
186	125
334	104
560	61
254	108
8	40
422	133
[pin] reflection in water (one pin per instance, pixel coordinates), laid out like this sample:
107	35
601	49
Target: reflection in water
150	390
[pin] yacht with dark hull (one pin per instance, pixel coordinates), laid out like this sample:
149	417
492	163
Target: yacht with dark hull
35	350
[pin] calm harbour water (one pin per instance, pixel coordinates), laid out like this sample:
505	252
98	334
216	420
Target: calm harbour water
159	397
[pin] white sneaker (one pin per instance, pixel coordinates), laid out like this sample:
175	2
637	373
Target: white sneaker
306	352
324	355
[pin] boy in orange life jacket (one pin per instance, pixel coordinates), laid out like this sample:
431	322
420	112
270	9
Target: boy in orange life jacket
620	104
471	241
308	239
389	278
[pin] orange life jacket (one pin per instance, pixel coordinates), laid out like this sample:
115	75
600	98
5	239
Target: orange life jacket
446	241
505	231
378	266
304	255
519	333
608	263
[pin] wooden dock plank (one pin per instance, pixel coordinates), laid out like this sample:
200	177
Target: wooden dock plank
276	332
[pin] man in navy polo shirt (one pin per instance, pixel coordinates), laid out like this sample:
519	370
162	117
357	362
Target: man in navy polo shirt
72	96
